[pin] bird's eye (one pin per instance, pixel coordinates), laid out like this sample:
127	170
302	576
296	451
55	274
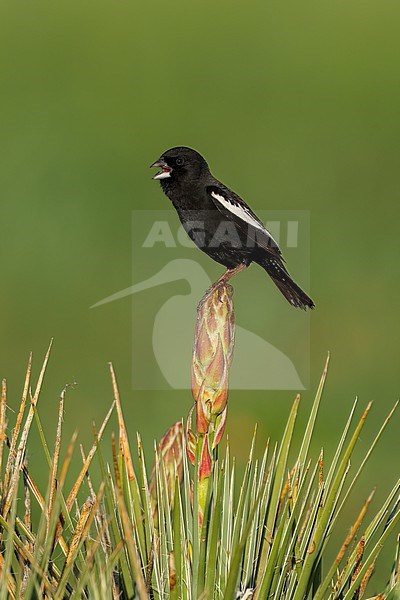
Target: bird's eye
180	161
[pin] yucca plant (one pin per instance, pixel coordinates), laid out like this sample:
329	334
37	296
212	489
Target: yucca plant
190	528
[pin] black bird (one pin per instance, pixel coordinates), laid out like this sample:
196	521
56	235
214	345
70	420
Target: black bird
221	223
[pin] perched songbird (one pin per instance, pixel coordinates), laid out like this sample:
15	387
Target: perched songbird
220	223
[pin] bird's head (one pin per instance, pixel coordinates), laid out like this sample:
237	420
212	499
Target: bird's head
179	164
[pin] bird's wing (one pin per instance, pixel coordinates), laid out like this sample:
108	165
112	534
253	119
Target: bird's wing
232	207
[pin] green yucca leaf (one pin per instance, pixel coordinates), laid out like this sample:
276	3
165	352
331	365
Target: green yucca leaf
339	449
213	538
330	573
266	482
132	550
280	470
112	511
327	510
278	479
94	561
76	543
178	555
272	566
195	522
138	520
231	584
240	513
226	524
375	550
289	555
6	582
132	487
163	518
204	529
145	496
3	426
303	454
370	531
394	593
250	549
365	460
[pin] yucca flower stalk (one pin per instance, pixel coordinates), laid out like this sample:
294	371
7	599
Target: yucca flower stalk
212	356
213	346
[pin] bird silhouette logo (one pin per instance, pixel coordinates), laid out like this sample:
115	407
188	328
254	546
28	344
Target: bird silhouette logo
257	364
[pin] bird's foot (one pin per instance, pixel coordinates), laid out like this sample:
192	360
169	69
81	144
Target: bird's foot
225	277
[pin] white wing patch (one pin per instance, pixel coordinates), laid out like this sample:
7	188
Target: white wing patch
238	210
242	213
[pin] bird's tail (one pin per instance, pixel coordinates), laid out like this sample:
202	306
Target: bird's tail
281	278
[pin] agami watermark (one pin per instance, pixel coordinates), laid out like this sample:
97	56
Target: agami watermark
169	277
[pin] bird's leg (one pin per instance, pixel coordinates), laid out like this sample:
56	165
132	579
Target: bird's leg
229	273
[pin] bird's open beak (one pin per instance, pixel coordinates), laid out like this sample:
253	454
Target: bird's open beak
165	169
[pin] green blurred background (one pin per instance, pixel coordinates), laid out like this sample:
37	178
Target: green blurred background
296	105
